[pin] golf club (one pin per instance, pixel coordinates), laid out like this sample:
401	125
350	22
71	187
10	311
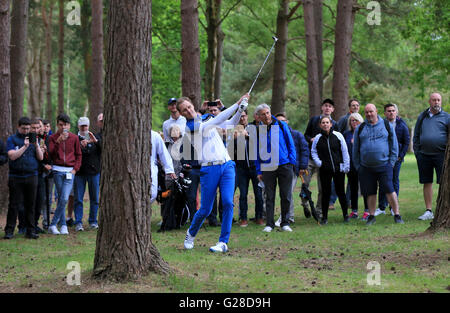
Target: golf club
267	57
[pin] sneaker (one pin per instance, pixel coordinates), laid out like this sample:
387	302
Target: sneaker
69	222
31	235
324	221
428	215
8	236
291	220
93	226
22	231
79	227
365	216
379	211
267	229
286	228
39	230
219	247
64	230
346	219
353	215
398	219
278	222
371	220
243	223
189	241
259	221
53	230
392	212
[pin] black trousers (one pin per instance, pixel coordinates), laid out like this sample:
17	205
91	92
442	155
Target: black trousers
40	199
326	176
284	174
22	193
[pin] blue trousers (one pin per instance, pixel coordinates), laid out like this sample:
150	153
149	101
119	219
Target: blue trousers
64	187
382	200
79	186
211	177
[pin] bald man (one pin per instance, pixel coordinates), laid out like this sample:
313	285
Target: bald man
375	151
430	141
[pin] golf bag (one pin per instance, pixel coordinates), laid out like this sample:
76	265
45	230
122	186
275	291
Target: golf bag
175	212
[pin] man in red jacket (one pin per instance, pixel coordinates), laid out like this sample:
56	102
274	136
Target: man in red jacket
65	153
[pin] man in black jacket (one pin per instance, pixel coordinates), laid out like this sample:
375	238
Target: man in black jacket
89	173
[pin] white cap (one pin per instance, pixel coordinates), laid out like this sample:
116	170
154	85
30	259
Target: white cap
83	121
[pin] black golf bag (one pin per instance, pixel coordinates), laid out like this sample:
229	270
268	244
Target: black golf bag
175	212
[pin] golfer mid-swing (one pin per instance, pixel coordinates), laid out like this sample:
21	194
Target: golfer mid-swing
217	168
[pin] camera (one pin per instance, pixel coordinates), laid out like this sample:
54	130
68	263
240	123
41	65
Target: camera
32	137
212	103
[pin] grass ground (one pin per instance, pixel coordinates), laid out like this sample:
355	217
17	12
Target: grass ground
312	258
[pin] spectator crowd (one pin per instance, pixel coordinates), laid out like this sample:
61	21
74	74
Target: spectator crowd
230	153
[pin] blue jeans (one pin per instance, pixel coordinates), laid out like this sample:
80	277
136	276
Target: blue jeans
79	188
243	177
63	186
382	200
211	177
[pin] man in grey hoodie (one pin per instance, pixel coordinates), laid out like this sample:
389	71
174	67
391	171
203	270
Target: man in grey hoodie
375	151
430	142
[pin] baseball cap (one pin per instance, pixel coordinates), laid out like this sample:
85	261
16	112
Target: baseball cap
172	100
83	121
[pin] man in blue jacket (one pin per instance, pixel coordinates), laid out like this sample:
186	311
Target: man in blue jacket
302	157
430	142
375	151
24	154
276	159
403	138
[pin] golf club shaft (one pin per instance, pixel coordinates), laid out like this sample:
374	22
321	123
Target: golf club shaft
267	57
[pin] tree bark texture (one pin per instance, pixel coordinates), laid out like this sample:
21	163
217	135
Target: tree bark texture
86	49
61	58
342	55
218	71
212	18
19	26
124	248
319	34
47	19
5	96
441	219
280	59
96	103
314	98
190	52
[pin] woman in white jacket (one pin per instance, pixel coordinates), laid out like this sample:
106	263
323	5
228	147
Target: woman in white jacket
329	152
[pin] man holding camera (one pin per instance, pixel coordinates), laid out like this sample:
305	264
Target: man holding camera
24	154
89	174
65	152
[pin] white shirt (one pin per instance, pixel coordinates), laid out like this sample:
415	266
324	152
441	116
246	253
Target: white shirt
208	142
181	122
160	150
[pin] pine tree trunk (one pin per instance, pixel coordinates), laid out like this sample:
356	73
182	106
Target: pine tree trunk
47	19
19	26
5	96
86	47
190	52
42	85
342	55
319	26
61	58
218	71
279	67
441	219
312	65
124	248
96	103
212	18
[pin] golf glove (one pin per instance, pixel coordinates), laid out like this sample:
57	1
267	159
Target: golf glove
243	106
